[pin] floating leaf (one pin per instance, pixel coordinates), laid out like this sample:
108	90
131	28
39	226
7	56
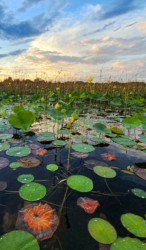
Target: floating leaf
105	172
80	183
64	131
102	231
29	162
131	122
83	148
14	165
126	172
124	141
41	151
4	162
59	143
142	138
140	173
79	155
5	136
32	191
128	243
92	163
4	146
117	130
100	128
135	224
139	192
110	157
87	204
18	151
15	240
52	167
25	178
97	140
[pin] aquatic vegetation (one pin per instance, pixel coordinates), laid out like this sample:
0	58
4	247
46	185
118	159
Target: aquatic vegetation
4	162
18	151
83	148
110	157
3	185
25	178
128	243
32	191
52	167
41	151
87	204
80	183
39	219
139	192
105	172
29	162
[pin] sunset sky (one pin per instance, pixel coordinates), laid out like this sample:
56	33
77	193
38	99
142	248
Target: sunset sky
73	39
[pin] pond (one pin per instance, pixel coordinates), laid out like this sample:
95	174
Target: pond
114	194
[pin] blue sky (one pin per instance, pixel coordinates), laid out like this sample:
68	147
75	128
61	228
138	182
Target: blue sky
72	39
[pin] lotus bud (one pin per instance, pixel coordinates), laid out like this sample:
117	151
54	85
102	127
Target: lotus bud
57	106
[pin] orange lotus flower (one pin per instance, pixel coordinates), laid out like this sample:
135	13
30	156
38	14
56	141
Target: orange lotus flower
41	151
110	157
39	217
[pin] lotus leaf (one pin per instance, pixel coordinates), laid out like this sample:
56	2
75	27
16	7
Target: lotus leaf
52	167
14	165
128	243
32	191
124	141
100	128
15	240
80	183
105	172
139	192
5	136
18	151
4	146
59	143
102	231
131	122
135	224
25	178
83	148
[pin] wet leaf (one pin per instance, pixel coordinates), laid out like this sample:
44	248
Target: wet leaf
29	162
14	165
52	167
87	204
25	178
139	192
83	148
105	172
18	151
80	183
128	243
102	231
4	146
32	191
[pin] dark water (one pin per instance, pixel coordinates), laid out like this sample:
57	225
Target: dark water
113	195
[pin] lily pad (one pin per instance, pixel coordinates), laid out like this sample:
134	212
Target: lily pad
135	224
83	148
25	178
18	151
140	173
29	162
64	131
15	240
3	185
4	162
52	167
97	140
5	136
128	243
102	231
80	183
105	172
100	128
139	192
59	143
32	191
14	165
124	141
4	146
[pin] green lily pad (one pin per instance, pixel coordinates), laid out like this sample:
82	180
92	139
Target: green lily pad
135	224
5	136
80	183
59	143
25	178
47	134
102	231
52	167
142	138
83	148
32	191
97	140
14	165
15	240
100	128
128	243
4	146
64	131
18	151
139	192
131	122
105	172
124	141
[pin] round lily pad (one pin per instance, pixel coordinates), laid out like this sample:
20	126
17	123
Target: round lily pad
83	148
80	183
25	178
4	162
124	141
64	131
14	165
52	167
4	146
135	224
15	240
128	243
59	143
97	140
139	192
32	191
18	151
5	136
102	231
105	172
29	162
100	128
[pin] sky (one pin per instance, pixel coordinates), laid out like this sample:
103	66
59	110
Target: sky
73	39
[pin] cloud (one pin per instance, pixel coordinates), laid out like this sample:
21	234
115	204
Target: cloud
13	53
28	4
121	7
